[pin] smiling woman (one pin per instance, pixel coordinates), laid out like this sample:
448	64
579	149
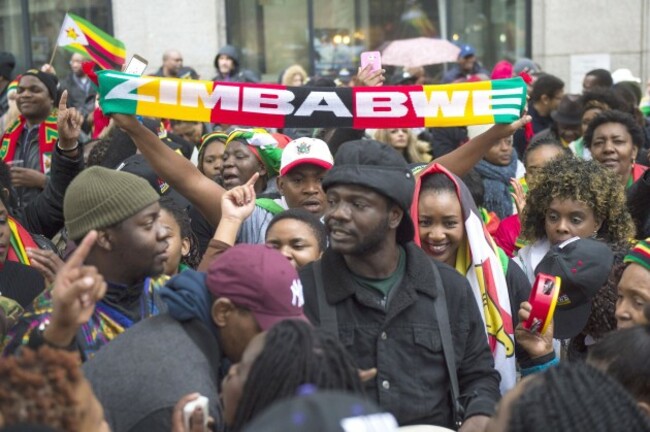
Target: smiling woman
614	139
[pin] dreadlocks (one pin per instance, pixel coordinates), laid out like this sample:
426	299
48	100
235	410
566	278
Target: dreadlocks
575	397
295	354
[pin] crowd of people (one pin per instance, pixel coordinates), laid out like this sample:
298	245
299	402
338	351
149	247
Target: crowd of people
167	275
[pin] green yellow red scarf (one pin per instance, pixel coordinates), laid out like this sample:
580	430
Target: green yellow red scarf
20	241
47	136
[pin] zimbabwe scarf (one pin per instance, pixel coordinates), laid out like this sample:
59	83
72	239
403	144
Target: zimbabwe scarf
275	106
47	136
484	265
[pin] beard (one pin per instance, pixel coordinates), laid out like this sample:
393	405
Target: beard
370	243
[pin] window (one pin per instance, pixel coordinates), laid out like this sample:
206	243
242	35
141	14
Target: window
44	23
326	37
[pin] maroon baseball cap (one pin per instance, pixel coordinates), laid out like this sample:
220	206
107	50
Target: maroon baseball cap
260	279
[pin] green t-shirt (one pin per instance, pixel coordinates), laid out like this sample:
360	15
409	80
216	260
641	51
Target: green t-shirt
384	285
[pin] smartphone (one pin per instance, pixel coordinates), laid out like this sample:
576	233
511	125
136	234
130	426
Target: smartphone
371	58
136	65
189	408
543	298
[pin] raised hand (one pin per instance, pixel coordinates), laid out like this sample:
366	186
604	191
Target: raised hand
77	288
68	122
518	195
368	77
500	131
239	202
125	122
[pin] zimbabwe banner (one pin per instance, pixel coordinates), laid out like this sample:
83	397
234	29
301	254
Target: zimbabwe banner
275	106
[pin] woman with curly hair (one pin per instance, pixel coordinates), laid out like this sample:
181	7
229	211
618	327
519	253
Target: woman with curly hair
47	387
404	141
572	197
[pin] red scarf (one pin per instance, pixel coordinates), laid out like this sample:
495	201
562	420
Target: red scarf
47	136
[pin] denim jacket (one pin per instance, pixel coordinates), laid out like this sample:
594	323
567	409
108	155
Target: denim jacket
402	340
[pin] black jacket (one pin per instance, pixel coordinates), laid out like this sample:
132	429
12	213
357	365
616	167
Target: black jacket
20	283
403	341
44	213
82	100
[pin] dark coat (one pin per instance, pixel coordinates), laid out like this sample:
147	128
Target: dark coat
638	202
139	376
20	283
83	100
403	342
44	213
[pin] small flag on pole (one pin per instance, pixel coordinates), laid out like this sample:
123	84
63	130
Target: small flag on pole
80	36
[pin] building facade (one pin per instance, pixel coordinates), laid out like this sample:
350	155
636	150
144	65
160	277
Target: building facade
326	36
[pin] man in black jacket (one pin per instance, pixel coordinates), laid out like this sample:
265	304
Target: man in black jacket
81	92
377	290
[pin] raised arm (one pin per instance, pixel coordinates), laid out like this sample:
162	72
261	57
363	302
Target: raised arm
177	171
237	204
466	156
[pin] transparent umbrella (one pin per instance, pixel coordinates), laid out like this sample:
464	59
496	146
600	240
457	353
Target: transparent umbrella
420	51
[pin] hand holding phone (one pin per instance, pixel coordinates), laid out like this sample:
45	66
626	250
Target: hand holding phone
543	298
372	58
188	409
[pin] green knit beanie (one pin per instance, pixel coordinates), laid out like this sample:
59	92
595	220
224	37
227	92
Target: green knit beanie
100	197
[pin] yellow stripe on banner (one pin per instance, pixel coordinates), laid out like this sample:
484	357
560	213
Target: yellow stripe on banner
479	119
167	101
454	109
121	52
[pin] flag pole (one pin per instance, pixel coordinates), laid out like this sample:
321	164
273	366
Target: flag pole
56	45
53	54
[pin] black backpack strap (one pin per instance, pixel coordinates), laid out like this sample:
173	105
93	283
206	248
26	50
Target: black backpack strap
326	312
440	305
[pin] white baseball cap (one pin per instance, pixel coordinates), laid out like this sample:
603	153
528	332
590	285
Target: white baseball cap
306	151
622	75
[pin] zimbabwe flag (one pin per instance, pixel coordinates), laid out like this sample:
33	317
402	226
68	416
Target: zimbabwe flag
80	36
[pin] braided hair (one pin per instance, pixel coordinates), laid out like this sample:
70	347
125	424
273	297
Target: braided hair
182	218
295	354
575	397
40	387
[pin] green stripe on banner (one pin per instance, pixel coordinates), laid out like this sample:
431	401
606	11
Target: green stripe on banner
124	100
508	99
